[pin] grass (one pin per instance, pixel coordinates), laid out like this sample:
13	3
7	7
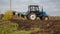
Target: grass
21	32
8	28
11	28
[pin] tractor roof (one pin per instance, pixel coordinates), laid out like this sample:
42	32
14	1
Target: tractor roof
33	6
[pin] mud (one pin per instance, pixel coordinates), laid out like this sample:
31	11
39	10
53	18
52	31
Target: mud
48	27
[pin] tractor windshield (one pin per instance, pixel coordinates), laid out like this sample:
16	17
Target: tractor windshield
33	8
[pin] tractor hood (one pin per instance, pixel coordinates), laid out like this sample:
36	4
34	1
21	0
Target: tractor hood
44	13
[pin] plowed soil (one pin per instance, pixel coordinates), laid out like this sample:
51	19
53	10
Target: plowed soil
47	27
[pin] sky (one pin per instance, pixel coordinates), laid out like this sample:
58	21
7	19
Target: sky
52	7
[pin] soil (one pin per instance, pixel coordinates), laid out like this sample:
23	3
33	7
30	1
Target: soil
48	27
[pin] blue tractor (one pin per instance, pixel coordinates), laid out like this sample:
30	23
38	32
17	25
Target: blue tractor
34	12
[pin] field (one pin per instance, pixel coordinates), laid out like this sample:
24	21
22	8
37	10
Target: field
39	27
18	26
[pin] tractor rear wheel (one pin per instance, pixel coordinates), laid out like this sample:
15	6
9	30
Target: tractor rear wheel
32	16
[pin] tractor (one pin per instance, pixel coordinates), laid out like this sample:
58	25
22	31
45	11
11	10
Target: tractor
34	12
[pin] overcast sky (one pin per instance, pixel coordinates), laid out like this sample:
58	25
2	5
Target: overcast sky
52	7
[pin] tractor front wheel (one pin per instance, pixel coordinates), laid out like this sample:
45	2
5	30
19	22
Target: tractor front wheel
44	18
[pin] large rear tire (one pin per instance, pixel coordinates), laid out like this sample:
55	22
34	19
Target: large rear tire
32	16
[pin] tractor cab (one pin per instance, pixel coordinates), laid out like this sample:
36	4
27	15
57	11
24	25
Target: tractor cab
33	8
